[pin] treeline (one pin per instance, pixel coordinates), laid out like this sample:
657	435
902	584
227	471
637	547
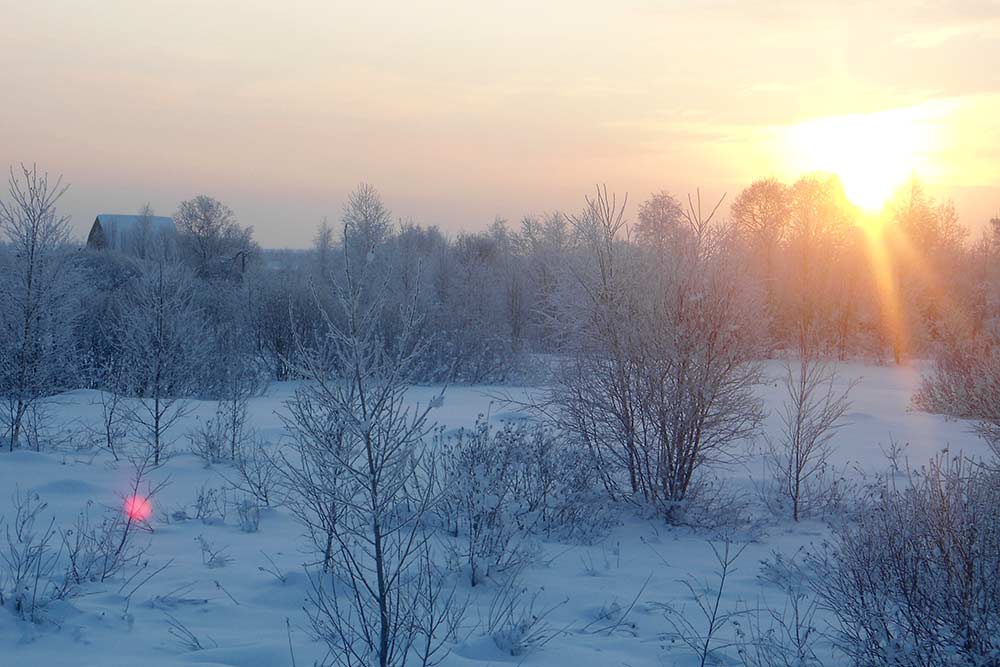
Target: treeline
201	312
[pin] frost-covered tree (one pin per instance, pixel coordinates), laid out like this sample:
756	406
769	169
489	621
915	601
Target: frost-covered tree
211	240
323	247
162	337
761	213
660	219
926	247
149	243
820	219
662	367
964	382
233	374
38	297
367	223
546	243
282	316
812	413
357	469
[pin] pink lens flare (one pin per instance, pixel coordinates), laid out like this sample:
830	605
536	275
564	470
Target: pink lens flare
137	508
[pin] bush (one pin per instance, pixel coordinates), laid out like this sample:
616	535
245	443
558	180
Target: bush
208	440
258	474
555	477
517	622
965	383
478	504
916	579
249	513
28	560
503	486
98	550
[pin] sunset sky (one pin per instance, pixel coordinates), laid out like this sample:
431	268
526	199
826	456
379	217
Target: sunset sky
460	112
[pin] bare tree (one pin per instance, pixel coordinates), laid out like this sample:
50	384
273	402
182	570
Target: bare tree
367	223
700	631
661	218
323	249
761	213
162	338
661	378
358	455
112	378
811	415
37	304
211	239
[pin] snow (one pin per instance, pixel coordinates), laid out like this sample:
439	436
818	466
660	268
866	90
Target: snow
239	611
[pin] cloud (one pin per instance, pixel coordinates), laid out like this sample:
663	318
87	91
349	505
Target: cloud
929	39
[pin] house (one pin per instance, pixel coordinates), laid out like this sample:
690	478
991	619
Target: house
131	234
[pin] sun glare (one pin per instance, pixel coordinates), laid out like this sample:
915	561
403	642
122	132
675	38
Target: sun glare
873	154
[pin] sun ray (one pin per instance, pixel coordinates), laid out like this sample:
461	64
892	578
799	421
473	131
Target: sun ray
893	260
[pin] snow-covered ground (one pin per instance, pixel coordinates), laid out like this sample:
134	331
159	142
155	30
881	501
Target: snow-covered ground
239	611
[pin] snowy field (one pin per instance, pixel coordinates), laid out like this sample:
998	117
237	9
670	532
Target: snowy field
249	613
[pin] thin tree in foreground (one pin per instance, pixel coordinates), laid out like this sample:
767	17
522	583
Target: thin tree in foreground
811	415
358	466
37	305
162	344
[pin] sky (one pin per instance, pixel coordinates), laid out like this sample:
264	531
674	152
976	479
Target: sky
460	112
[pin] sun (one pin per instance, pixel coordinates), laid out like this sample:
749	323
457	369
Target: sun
873	154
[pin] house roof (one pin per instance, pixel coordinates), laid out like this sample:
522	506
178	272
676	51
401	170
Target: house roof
122	223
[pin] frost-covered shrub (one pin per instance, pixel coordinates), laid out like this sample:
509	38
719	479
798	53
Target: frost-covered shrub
516	622
223	436
503	486
99	549
211	505
211	556
258	474
555	477
249	513
916	579
43	433
697	629
208	440
662	357
962	369
478	505
782	637
470	353
28	560
965	383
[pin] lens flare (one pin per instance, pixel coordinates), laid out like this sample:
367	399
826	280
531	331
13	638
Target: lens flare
137	508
